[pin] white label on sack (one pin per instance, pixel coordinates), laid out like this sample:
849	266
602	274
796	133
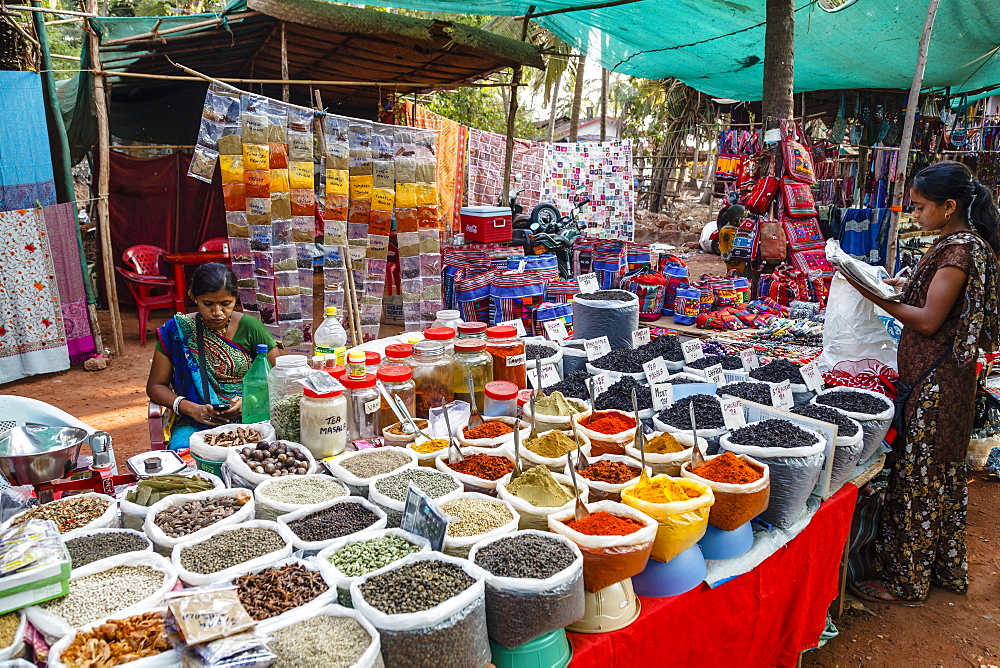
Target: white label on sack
772	136
781	395
732	413
602	382
663	396
597	348
521	265
640	337
589	283
516	360
373	405
556	330
812	376
656	370
550	376
516	323
749	359
715	374
692	350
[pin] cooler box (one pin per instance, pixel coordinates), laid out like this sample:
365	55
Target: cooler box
486	224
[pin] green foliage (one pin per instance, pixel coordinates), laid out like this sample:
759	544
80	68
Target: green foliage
481	108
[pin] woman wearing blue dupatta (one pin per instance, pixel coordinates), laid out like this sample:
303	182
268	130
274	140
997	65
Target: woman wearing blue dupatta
230	339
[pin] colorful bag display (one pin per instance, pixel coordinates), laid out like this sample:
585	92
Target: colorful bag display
676	274
797	197
802	233
771	241
546	265
813	262
561	292
798	160
548	312
687	305
472	294
637	255
609	263
649	286
515	295
759	192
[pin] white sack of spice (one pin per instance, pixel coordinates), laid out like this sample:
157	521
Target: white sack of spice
203	449
17	643
168	659
164	543
63	508
311	607
364	465
343	581
115	587
289	493
260	553
109	539
331	523
240	475
300	638
134	514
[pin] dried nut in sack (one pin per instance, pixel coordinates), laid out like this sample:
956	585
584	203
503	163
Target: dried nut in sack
185	518
238	436
118	641
68	514
275	459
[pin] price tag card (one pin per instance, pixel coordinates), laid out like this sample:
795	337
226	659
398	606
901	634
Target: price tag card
814	379
588	283
692	350
597	348
640	337
422	517
781	395
749	359
663	396
516	360
550	376
516	323
602	382
656	370
715	374
732	413
556	330
373	405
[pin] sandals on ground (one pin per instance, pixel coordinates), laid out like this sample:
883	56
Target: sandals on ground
870	590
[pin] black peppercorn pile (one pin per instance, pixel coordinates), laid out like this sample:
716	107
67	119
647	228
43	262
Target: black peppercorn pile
707	412
845	425
415	587
854	402
773	434
606	296
534	351
667	347
756	392
334	522
619	396
572	385
525	556
777	371
728	362
625	360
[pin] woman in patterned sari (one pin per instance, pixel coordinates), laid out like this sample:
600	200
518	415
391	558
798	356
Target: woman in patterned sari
949	314
231	339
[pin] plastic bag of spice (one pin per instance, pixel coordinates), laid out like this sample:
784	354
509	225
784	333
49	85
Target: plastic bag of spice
875	425
217	453
240	474
394	509
609	559
358	485
735	503
521	609
370	658
451	633
613	430
537	517
134	514
312	547
474	483
266	508
325	598
80	533
459	546
601	490
167	659
682	523
197	579
16	645
343	581
107	519
495	441
554	464
545	422
163	543
667	463
52	626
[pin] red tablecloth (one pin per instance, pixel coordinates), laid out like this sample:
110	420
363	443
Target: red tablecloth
761	618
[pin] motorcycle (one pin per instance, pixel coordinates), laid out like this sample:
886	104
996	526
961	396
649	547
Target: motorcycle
547	231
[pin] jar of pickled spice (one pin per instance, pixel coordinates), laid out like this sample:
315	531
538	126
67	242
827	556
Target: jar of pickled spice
397	354
507	349
472	330
446	335
471	358
432	376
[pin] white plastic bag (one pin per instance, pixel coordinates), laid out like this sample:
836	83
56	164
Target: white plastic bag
459	546
14	649
166	659
165	544
79	533
451	633
554	464
359	486
550	422
240	474
554	602
537	517
53	627
852	330
601	443
875	426
197	579
343	581
266	508
108	519
315	546
735	504
393	508
134	515
711	436
473	483
325	598
493	442
555	359
668	463
371	658
218	453
609	559
603	491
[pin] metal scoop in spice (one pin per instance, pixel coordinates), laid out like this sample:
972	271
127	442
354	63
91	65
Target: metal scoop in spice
581	459
453	449
538	375
697	456
475	419
639	440
517	451
419	436
580	511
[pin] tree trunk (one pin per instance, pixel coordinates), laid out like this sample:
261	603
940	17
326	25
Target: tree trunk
554	103
779	60
574	121
605	80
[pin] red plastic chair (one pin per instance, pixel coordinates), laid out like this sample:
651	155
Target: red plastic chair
146	283
216	245
146	260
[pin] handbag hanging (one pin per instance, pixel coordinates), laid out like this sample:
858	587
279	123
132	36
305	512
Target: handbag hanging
762	190
771	241
797	198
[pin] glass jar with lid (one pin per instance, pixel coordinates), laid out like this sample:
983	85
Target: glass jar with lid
501	399
445	335
447	318
284	392
397	354
398	381
323	422
507	349
363	405
431	367
472	330
356	363
471	358
372	361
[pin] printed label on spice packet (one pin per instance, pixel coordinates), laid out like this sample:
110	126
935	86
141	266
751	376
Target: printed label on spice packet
556	330
550	376
732	413
640	337
812	376
692	350
602	382
656	370
781	395
588	283
663	396
516	360
422	517
715	374
373	406
749	359
516	323
597	348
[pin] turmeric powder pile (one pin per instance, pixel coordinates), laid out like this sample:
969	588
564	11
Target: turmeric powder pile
664	489
665	444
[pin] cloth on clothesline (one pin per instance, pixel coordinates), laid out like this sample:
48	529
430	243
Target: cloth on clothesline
26	179
486	162
863	233
60	223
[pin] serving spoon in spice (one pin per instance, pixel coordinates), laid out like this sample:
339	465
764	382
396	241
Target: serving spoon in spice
517	452
534	433
475	419
639	440
697	456
580	511
581	459
418	435
452	448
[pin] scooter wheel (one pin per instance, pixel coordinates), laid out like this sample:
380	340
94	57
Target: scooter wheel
545	214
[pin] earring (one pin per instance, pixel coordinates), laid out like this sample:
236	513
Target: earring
947	216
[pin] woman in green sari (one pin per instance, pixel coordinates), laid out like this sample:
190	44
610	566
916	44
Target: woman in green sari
230	339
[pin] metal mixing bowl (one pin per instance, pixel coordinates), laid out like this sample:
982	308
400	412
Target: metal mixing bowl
35	455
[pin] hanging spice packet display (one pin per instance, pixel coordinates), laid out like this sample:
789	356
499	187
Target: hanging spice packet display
221	110
425	142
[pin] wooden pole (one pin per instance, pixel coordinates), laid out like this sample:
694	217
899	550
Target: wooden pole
45	10
508	160
284	61
899	185
779	60
605	82
104	182
305	82
186	26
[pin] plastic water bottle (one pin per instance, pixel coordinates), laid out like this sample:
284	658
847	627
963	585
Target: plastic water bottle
330	335
255	399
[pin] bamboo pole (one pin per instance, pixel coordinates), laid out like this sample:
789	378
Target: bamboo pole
45	10
508	160
304	82
581	8
899	185
188	26
284	61
103	184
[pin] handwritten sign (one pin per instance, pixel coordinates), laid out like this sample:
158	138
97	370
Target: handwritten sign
597	348
812	376
663	396
656	370
602	382
640	337
550	376
692	350
555	330
715	374
781	395
516	323
732	413
588	283
749	359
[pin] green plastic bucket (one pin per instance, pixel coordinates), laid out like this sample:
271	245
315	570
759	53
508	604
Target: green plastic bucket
215	468
551	650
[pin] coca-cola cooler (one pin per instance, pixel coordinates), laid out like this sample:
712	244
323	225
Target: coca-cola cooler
486	224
